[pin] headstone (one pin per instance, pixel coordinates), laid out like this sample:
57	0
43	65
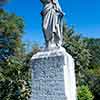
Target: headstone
53	76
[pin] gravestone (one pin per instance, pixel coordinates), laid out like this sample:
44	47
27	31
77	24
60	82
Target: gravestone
53	76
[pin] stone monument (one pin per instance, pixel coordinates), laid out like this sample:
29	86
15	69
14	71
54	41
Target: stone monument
53	75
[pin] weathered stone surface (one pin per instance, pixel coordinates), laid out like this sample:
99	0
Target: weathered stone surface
51	77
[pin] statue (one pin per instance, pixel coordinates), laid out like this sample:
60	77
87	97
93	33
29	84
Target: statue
52	23
53	72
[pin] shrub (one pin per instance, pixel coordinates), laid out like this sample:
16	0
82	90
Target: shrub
84	93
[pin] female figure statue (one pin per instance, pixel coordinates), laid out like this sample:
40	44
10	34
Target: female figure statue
52	23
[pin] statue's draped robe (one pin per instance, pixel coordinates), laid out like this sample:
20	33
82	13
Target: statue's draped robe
52	19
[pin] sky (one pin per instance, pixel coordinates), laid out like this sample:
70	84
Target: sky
84	15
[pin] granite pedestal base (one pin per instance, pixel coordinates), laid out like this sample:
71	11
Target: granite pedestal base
53	76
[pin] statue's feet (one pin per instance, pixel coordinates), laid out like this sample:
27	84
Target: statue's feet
52	46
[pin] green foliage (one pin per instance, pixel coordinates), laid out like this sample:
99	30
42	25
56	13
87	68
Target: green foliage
10	24
15	79
11	30
84	93
92	75
94	46
92	78
75	46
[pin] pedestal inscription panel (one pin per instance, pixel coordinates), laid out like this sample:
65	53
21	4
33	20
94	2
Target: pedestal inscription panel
48	78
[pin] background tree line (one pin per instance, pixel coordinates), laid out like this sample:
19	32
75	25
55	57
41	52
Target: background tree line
15	71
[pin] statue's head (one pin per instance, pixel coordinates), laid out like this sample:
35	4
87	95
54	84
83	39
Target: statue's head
45	1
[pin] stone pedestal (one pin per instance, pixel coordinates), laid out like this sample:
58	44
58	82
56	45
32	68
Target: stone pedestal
53	76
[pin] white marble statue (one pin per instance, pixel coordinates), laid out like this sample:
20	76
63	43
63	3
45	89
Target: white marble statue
52	23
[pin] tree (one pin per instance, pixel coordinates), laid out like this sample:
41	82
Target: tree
14	79
11	30
75	46
93	80
14	64
92	75
94	46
